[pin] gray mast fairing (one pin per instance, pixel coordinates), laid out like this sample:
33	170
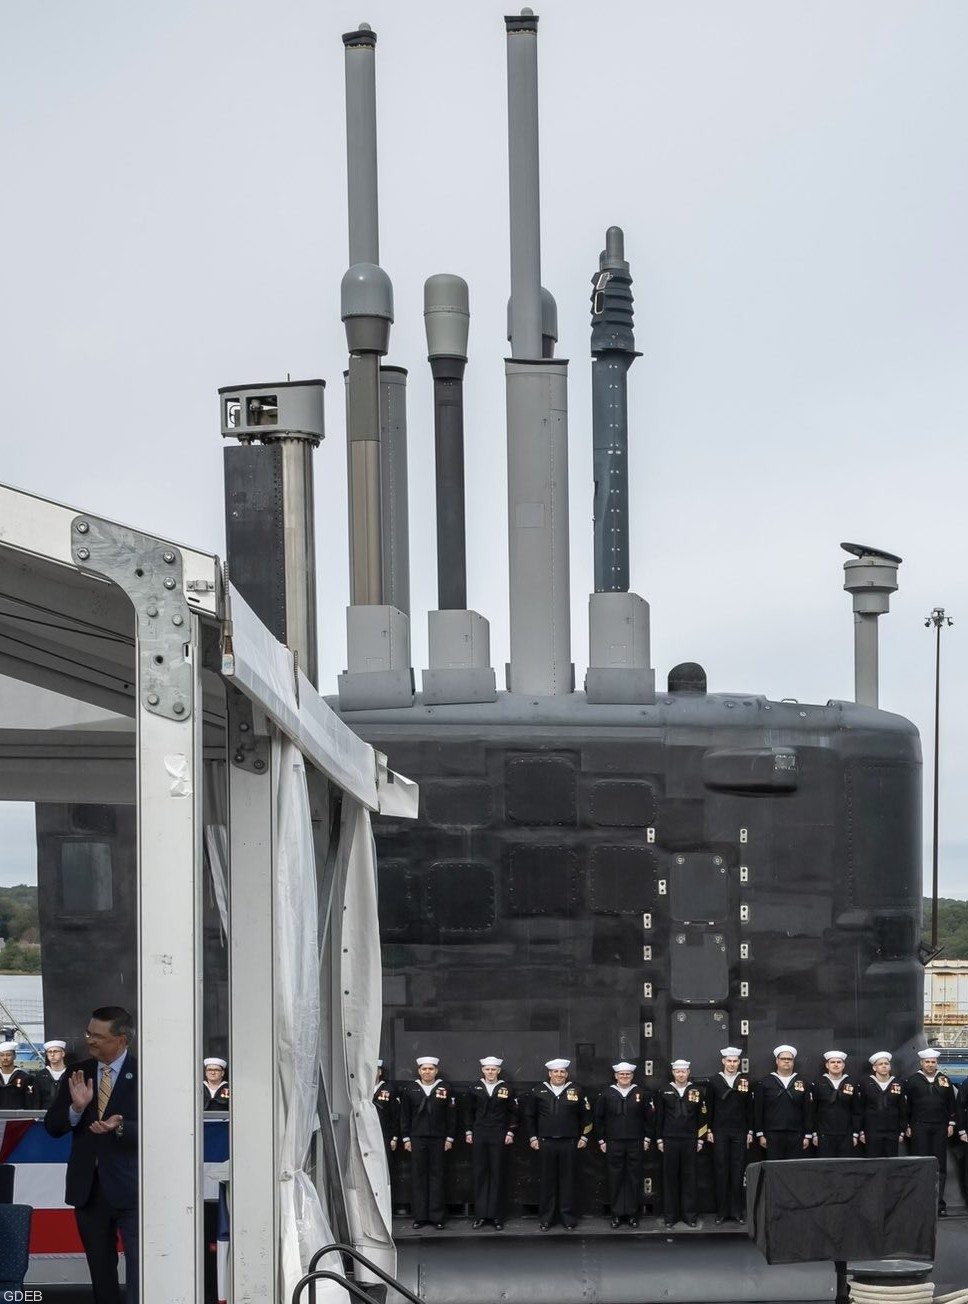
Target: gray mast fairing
613	352
537	411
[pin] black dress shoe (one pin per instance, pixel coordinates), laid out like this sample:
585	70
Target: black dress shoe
616	1222
439	1226
942	1213
633	1222
499	1227
690	1222
720	1220
669	1222
478	1222
569	1226
543	1227
418	1224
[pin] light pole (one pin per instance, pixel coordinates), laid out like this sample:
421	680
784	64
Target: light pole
938	619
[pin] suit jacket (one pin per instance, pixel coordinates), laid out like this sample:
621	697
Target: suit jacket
114	1158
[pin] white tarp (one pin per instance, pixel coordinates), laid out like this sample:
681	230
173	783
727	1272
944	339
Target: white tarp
303	1224
367	1182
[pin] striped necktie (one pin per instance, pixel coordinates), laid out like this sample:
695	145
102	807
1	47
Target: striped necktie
104	1090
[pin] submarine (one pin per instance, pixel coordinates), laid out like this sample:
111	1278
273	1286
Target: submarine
611	870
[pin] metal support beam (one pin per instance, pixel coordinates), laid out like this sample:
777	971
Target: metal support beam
169	900
170	992
254	1206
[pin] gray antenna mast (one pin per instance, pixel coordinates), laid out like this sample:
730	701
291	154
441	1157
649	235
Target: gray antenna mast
378	629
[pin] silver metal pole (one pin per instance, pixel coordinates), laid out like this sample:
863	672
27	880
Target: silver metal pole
364	509
865	659
395	524
299	542
525	216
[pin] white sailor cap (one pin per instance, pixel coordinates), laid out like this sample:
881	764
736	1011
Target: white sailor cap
681	1064
7	1045
214	1059
55	1044
427	1059
878	1055
623	1067
784	1050
929	1052
834	1054
733	1052
558	1064
379	1064
491	1062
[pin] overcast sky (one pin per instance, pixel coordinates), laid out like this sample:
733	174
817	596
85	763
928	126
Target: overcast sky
792	180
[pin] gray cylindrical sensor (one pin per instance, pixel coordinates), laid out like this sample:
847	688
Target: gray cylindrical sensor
446	316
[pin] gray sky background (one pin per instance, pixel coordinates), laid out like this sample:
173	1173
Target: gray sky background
792	180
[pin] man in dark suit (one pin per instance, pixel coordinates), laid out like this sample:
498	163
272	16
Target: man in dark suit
98	1104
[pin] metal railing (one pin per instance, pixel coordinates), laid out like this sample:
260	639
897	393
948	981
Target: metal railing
315	1274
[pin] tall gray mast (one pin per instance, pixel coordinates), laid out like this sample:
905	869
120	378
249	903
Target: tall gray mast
618	621
459	640
613	352
537	410
378	631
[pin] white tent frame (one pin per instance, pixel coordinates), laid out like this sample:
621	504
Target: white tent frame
55	560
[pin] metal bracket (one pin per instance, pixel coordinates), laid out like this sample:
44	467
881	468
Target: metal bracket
247	749
149	571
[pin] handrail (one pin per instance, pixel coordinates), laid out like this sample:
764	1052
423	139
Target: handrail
325	1274
354	1254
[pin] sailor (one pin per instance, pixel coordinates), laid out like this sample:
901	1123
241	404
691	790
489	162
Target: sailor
781	1108
836	1109
215	1088
680	1125
624	1123
931	1115
388	1109
729	1105
883	1109
491	1119
16	1089
428	1109
961	1116
45	1080
556	1117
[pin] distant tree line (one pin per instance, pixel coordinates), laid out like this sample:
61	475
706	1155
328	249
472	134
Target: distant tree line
952	927
19	929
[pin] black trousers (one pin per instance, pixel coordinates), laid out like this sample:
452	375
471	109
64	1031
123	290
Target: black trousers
488	1167
623	1166
679	1178
729	1162
98	1223
881	1145
932	1139
835	1145
785	1145
427	1178
559	1163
